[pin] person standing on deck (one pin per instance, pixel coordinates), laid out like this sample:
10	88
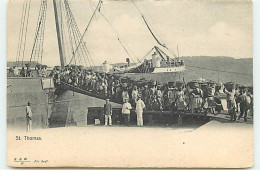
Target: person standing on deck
146	96
171	94
126	111
108	112
250	94
134	95
197	95
29	116
180	102
244	105
231	104
125	94
139	111
16	71
93	82
22	72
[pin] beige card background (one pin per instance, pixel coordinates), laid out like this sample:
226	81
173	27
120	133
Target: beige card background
213	145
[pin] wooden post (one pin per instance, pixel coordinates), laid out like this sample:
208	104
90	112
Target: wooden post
58	30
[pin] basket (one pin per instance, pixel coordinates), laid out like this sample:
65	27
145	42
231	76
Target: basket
204	86
179	84
211	84
229	86
192	84
171	84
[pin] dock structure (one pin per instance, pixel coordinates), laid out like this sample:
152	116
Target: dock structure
150	118
65	86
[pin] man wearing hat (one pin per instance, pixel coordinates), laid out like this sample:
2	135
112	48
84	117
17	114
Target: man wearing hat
126	111
146	95
29	116
108	112
134	94
139	111
231	103
244	104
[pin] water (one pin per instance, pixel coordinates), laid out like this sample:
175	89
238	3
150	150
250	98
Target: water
218	69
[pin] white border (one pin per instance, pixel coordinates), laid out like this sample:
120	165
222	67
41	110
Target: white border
3	6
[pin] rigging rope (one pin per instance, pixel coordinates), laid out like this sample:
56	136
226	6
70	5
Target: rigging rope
89	57
159	51
77	37
148	53
218	70
43	29
23	35
163	45
69	32
75	29
20	35
74	35
149	28
26	27
98	7
118	38
37	49
62	33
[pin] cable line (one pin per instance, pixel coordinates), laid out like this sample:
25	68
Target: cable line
118	37
26	27
98	7
82	46
20	36
37	49
149	28
218	70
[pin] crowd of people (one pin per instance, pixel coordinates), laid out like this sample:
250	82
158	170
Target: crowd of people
195	96
26	71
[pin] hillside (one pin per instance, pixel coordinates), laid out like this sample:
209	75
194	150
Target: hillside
222	69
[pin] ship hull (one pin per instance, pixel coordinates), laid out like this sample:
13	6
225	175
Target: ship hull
48	110
169	69
145	69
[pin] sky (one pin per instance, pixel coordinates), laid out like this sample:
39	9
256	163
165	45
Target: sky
197	27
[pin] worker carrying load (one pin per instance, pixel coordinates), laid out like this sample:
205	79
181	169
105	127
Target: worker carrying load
231	104
197	95
210	104
180	98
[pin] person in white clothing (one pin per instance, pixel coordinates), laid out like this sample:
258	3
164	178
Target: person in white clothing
16	71
125	94
139	111
29	116
134	94
126	111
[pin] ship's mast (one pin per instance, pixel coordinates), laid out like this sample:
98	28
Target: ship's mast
58	33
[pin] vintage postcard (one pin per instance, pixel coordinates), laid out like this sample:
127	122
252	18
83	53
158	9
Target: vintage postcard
130	83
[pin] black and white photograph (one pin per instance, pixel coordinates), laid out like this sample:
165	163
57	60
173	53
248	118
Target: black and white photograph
130	83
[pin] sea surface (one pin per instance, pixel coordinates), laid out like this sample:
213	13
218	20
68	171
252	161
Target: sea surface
218	69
